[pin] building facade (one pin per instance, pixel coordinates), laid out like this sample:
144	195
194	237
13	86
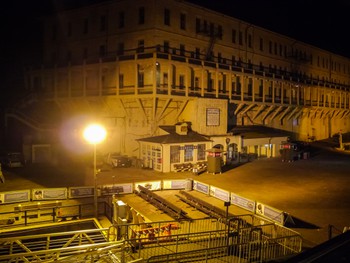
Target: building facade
139	64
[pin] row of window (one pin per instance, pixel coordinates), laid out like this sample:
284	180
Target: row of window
196	54
213	30
188	152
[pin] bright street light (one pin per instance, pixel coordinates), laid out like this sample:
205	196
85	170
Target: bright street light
95	134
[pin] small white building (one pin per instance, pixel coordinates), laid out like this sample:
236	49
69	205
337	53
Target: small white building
178	149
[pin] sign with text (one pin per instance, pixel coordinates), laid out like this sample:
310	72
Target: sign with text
243	202
270	213
175	184
80	192
15	197
201	187
49	194
150	185
109	189
219	193
213	117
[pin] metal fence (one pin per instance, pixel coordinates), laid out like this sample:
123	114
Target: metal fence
240	239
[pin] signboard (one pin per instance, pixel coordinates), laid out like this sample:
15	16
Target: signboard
201	187
49	194
150	185
116	189
270	213
219	193
80	192
175	184
14	197
243	202
213	117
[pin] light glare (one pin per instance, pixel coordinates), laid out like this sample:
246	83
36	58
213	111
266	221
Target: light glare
94	133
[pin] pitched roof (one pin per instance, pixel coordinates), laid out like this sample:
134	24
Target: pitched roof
258	131
173	137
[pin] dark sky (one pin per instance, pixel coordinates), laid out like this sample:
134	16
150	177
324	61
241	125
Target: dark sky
320	23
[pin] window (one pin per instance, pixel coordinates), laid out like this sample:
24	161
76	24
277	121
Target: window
196	82
103	23
141	15
261	44
240	38
166	17
120	49
141	46
275	48
86	26
158	74
233	58
198	53
140	80
198	25
219	31
166	46
182	81
285	51
201	152
182	50
219	57
270	47
188	153
165	79
249	40
281	50
234	36
121	19
183	21
174	154
121	81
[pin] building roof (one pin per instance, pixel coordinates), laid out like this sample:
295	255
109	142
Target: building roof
172	137
258	131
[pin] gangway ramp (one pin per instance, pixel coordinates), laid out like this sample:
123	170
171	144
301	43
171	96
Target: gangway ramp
53	242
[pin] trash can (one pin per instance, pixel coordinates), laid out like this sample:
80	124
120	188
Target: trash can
306	155
214	160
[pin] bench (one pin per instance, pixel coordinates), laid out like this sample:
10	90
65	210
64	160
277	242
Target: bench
162	204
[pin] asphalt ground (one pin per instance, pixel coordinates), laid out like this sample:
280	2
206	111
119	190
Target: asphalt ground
315	191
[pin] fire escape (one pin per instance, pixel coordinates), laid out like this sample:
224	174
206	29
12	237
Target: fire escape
213	32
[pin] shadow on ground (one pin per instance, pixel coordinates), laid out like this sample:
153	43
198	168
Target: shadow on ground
294	222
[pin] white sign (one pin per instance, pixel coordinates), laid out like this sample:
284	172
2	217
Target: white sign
213	117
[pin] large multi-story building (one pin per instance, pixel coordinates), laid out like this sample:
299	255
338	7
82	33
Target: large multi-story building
137	65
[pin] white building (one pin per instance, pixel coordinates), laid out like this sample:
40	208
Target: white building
139	64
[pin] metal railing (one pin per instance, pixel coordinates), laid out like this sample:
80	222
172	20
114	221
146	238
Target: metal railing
35	214
239	239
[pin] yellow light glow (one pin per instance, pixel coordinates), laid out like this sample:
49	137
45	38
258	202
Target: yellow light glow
94	133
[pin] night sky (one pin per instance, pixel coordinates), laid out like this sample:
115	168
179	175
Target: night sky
311	21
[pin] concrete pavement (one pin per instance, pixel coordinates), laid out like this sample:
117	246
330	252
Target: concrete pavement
315	190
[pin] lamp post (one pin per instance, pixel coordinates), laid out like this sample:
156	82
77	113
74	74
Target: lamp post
95	134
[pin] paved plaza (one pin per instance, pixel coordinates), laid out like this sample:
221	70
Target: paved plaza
314	190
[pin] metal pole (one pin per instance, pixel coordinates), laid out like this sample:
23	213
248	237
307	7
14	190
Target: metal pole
95	185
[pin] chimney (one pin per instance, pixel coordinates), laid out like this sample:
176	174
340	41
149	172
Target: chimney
181	128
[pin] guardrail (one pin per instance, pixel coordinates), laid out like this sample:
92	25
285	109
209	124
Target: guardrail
28	214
